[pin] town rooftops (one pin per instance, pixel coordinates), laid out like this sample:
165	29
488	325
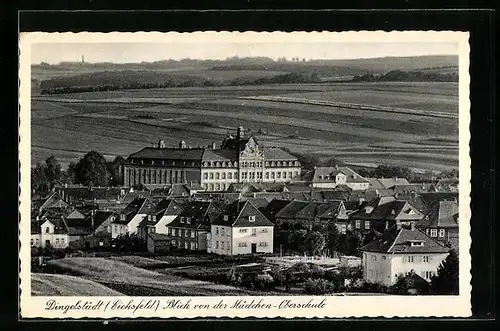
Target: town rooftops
242	214
442	215
291	209
197	215
404	241
100	216
188	154
384	183
388	208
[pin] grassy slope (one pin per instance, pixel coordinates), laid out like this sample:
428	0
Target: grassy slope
64	285
137	281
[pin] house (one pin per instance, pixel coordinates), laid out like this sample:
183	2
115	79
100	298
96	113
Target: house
241	229
385	183
441	223
135	211
384	213
158	243
158	223
288	213
329	216
342	218
53	200
331	177
401	252
78	193
189	229
274	207
59	232
103	223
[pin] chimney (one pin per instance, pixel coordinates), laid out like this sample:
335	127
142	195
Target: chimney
161	144
361	200
213	144
182	144
412	226
239	132
92	213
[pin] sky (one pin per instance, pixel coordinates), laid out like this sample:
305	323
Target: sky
124	52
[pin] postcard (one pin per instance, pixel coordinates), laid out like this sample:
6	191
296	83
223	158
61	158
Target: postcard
244	174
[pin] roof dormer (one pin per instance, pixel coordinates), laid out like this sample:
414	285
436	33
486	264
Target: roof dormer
416	243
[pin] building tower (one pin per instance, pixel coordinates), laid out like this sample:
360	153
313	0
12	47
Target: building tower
239	133
83	59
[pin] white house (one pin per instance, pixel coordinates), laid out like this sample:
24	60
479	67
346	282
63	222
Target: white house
134	213
50	233
400	252
331	177
241	229
158	223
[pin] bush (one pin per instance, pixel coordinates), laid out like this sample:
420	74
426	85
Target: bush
318	286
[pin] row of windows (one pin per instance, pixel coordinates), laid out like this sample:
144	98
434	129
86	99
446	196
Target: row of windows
222	231
220	175
245	244
215	187
186	245
116	229
182	232
407	259
226	246
156	176
59	241
167	163
358	224
434	232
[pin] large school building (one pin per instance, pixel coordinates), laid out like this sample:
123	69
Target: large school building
239	159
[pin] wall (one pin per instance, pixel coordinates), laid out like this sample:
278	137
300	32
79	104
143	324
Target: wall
56	240
210	181
134	174
221	234
162	225
134	222
268	174
400	264
377	268
247	237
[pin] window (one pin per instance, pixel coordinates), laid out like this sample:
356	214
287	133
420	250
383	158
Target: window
242	230
221	245
272	175
186	245
188	220
267	175
47	229
217	175
216	230
211	187
428	274
284	175
186	233
173	232
367	225
217	187
170	231
263	244
358	224
193	233
193	246
441	233
182	219
205	175
222	231
278	175
223	175
410	259
228	247
229	176
434	232
226	218
263	230
242	244
223	187
152	229
343	228
211	175
374	258
384	257
217	244
425	258
251	218
254	232
32	242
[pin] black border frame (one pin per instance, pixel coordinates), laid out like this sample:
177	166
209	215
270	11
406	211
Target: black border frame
480	23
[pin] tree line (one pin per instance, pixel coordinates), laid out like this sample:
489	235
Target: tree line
407	76
60	86
91	170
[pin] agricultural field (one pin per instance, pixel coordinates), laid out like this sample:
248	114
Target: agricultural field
135	281
359	123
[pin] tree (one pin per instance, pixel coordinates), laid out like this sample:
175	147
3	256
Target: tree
354	243
115	171
296	239
314	243
39	182
318	286
53	170
332	240
446	280
92	170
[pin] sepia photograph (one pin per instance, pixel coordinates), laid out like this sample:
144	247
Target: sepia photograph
245	165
